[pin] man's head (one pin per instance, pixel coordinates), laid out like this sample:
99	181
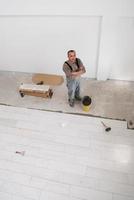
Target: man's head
71	55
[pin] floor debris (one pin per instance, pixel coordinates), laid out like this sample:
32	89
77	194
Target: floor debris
20	152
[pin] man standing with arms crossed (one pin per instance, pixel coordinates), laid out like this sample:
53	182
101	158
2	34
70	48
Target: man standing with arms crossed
73	69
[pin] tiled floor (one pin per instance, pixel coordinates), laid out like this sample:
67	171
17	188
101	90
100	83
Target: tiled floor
67	157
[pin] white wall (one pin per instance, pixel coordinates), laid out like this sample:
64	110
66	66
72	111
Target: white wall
40	44
68	7
116	60
122	64
30	29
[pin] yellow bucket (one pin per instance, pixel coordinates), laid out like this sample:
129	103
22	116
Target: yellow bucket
86	103
86	108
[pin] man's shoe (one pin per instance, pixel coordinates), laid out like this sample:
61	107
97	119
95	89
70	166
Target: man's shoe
78	98
71	103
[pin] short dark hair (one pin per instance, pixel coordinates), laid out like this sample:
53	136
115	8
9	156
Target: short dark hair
71	51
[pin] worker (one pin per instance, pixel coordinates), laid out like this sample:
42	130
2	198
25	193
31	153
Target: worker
73	69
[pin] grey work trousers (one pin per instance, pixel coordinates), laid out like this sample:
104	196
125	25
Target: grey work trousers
73	86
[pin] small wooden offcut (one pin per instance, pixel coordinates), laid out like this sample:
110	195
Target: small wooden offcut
48	79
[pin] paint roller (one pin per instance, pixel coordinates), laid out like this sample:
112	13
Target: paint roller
107	128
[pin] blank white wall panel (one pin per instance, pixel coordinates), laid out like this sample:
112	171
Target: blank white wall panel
116	59
122	63
68	7
40	43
